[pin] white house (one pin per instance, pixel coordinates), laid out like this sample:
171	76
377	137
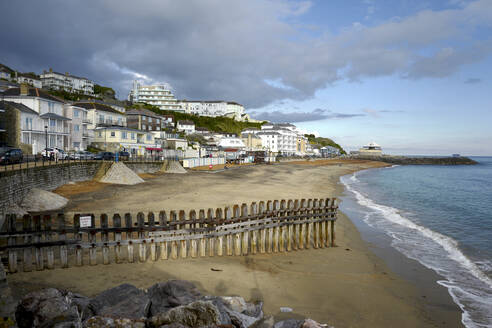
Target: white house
231	142
28	78
99	114
188	127
51	121
4	73
67	82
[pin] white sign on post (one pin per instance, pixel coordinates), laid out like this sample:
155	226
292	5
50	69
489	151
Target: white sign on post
85	221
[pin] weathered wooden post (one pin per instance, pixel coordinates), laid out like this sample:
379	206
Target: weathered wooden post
129	233
261	211
142	249
11	241
254	232
315	224
245	241
211	240
174	244
237	235
290	228
303	228
62	236
50	254
38	251
79	251
117	238
203	240
309	233
184	245
105	238
153	246
270	230
334	209
220	239
27	227
326	230
297	227
193	242
227	217
92	240
283	225
164	227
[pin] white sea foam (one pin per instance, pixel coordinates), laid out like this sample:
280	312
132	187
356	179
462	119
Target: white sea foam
469	286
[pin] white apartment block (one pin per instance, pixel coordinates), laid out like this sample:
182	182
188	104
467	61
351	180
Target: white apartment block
188	127
41	116
29	79
277	138
159	95
67	82
214	108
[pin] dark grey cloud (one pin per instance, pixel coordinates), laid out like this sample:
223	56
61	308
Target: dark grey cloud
473	80
318	114
231	49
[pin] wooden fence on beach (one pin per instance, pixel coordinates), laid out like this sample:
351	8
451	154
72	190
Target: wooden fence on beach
46	241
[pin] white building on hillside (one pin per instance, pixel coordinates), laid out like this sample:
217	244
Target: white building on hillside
159	95
214	108
188	127
67	82
29	79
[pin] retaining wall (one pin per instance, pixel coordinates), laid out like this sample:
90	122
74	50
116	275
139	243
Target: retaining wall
16	183
144	167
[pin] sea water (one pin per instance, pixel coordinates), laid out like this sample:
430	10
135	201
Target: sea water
440	216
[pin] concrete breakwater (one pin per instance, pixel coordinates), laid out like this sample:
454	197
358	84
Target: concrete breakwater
417	160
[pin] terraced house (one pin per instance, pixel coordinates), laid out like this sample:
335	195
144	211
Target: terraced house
118	138
41	120
101	115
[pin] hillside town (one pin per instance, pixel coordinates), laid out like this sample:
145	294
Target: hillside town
71	115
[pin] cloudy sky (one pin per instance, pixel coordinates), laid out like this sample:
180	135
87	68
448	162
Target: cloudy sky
413	76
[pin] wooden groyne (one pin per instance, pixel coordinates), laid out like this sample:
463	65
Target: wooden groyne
417	160
45	241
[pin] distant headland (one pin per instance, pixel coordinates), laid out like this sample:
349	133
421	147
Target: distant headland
418	160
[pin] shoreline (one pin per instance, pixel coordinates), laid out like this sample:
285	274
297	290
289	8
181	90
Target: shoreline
346	286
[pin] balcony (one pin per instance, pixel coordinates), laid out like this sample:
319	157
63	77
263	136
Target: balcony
86	120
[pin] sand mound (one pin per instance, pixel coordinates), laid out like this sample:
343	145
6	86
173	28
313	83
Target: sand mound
38	200
119	173
173	167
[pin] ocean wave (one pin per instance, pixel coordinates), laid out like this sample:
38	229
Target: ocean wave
468	285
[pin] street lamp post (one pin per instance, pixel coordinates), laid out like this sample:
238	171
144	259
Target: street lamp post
46	137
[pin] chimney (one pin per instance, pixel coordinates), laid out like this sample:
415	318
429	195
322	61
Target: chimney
15	73
66	74
24	89
51	70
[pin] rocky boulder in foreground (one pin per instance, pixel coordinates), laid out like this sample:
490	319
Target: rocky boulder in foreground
171	304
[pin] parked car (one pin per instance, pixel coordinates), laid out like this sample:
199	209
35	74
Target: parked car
104	155
48	153
61	154
123	155
82	155
11	156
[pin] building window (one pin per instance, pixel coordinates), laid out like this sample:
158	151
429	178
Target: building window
149	137
113	134
51	107
76	128
75	113
123	135
99	134
52	123
101	118
144	127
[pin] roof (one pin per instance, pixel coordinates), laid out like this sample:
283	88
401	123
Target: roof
28	75
54	116
32	92
186	122
69	75
97	106
142	111
21	107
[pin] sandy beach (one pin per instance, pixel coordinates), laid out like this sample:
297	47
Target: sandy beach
344	286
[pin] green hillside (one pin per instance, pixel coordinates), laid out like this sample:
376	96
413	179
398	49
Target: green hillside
324	142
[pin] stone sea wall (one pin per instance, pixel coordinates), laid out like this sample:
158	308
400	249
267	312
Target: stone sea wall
413	160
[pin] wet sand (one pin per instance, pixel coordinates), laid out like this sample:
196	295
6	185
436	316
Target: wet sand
345	286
